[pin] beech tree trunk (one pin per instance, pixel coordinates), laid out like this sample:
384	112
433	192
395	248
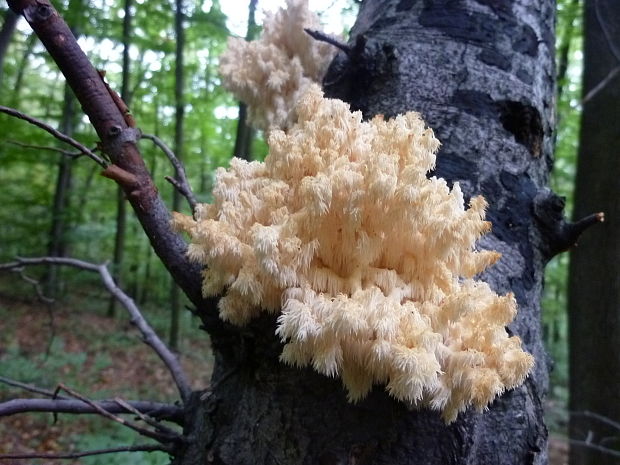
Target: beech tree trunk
594	282
481	73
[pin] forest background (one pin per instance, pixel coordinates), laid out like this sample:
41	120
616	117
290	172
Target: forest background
54	204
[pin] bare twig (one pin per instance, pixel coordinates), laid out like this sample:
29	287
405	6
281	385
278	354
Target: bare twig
158	436
611	43
322	37
77	455
601	85
57	134
597	416
77	407
180	181
145	418
148	334
595	446
30	388
64	152
36	285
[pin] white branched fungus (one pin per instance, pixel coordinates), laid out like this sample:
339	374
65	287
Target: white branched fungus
369	262
272	73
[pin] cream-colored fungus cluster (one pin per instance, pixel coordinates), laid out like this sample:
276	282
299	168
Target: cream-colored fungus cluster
369	262
272	73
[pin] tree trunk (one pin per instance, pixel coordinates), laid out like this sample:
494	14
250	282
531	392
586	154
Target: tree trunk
179	74
245	133
482	75
121	201
594	278
21	69
57	245
570	16
6	33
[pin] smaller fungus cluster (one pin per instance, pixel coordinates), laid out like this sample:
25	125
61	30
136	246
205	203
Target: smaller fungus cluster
369	262
272	73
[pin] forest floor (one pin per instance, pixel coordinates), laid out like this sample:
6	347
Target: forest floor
75	343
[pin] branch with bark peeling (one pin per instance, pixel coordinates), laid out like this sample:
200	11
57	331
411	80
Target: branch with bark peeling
118	141
149	335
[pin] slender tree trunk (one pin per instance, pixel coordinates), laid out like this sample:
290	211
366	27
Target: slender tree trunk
594	282
21	69
572	10
57	245
482	75
175	292
121	202
6	33
245	133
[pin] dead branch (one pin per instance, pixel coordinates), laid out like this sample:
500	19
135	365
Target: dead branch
158	436
609	36
144	417
36	285
601	85
77	455
597	416
57	134
30	388
118	141
322	37
595	446
72	155
180	181
148	334
63	404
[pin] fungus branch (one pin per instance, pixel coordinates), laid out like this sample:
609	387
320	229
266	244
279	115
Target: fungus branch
149	335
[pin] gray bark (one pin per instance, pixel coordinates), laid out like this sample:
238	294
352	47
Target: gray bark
594	282
482	75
